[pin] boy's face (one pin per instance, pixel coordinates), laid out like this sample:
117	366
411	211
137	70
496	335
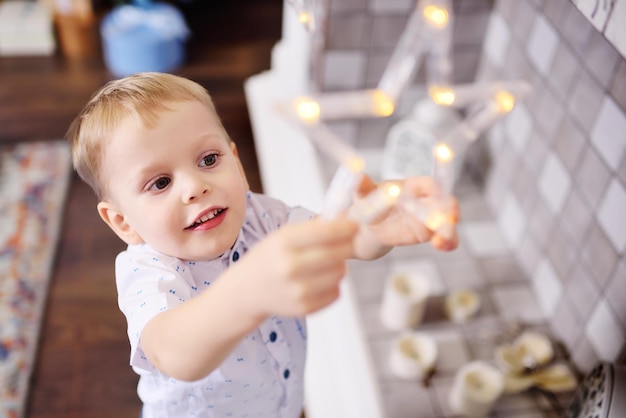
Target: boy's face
179	187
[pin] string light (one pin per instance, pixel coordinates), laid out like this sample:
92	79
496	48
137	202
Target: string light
428	31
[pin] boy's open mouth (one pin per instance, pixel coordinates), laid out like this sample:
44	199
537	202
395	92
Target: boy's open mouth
206	218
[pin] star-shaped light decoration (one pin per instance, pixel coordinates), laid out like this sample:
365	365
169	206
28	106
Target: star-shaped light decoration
428	33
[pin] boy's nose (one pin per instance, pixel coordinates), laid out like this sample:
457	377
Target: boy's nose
195	188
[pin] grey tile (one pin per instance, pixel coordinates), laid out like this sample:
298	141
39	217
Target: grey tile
377	61
582	291
525	186
577	218
584	355
525	14
503	269
469	29
391	6
561	252
616	292
508	9
462	275
537	152
475	5
345	5
528	255
465	62
618	87
541	224
386	30
566	325
601	59
406	400
585	101
373	132
592	177
621	171
550	113
348	31
517	65
496	191
517	302
599	255
565	69
569	144
344	69
554	11
453	350
576	29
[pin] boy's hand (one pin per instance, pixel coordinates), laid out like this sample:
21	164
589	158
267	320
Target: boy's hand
297	269
401	227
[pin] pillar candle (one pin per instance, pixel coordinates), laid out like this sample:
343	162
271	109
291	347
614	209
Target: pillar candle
413	356
404	301
476	388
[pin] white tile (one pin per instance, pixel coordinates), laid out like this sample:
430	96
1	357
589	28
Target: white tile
518	126
517	303
604	332
425	268
542	44
512	221
608	134
611	215
554	183
615	29
484	239
497	39
548	288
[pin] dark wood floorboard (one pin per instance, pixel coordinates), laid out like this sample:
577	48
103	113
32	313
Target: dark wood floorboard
82	366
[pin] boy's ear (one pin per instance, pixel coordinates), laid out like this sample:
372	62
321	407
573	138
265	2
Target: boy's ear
117	222
233	147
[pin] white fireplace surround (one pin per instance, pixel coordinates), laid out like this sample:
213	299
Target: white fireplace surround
340	378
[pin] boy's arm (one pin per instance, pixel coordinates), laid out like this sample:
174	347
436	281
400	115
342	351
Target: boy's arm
294	271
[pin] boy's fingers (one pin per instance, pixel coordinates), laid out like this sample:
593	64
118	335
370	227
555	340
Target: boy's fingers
321	233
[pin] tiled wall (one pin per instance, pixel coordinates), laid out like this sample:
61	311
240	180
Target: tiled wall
556	181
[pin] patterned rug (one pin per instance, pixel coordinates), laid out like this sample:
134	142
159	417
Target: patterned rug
33	183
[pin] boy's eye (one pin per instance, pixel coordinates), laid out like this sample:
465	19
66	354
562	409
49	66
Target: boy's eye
209	160
161	183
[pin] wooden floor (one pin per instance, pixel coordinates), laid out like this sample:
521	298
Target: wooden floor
82	369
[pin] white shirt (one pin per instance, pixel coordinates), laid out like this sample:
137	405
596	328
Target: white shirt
262	377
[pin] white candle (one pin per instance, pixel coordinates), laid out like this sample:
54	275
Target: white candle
305	11
404	301
339	194
462	305
413	356
476	388
444	168
462	95
373	205
406	57
345	105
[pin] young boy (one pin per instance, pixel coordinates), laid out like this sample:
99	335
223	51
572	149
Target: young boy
216	279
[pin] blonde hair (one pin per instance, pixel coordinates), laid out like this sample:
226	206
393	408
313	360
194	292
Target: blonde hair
142	95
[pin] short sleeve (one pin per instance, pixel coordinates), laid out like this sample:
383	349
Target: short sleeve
148	283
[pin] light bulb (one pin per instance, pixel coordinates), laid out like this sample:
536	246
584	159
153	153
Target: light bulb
442	95
505	101
383	105
443	153
436	16
308	110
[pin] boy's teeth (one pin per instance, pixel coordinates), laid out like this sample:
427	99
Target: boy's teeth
208	216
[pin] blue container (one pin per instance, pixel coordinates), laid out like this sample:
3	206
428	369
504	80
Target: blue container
138	38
